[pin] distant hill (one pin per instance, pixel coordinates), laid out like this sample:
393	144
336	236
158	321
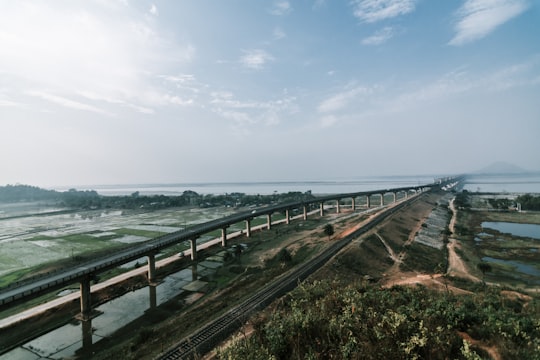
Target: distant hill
502	168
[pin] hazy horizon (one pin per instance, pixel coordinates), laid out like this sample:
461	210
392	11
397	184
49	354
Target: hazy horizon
123	92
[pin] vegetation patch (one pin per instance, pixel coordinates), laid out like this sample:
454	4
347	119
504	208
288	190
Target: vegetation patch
423	258
335	320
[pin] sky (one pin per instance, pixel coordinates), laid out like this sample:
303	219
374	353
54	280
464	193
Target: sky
139	92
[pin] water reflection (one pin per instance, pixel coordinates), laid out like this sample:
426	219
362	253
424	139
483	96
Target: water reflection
517	265
79	337
516	229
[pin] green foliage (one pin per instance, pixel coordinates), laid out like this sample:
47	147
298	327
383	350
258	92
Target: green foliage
90	199
283	256
328	230
529	202
462	200
328	320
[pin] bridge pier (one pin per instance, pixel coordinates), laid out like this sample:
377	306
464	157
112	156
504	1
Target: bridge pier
382	199
322	209
194	274
353	204
394	193
337	207
193	243
248	227
368	201
86	326
305	212
287	217
86	300
224	236
269	221
151	268
153	296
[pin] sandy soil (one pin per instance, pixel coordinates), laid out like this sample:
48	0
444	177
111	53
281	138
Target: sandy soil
456	267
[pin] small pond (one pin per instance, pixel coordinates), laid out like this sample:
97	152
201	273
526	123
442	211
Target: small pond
516	229
519	266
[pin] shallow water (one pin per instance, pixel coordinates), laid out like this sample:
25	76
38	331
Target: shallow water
77	336
516	229
519	266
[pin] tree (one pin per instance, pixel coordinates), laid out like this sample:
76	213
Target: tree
329	230
484	267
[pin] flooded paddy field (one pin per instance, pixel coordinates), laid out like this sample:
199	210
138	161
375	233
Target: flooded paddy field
28	240
510	243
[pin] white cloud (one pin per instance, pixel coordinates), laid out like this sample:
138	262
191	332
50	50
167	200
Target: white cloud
318	4
110	49
279	33
153	10
478	18
249	113
256	58
328	121
371	11
342	99
281	7
68	103
379	37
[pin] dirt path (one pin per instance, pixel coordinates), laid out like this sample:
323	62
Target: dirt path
456	267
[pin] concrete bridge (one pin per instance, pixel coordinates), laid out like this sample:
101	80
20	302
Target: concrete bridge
86	272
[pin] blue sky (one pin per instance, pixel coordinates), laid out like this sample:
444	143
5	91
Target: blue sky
105	91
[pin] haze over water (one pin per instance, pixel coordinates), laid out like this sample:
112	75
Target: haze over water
263	188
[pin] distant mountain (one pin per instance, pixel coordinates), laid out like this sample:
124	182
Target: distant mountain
502	168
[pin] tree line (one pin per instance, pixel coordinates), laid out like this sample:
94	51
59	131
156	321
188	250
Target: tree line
90	199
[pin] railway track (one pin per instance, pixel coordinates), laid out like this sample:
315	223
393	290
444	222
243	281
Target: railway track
208	336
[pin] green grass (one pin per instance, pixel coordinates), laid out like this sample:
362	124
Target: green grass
135	232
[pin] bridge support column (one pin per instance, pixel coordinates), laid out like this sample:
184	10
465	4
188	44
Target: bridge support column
194	273
248	227
382	199
269	221
193	243
151	268
368	201
153	296
395	197
224	237
86	300
305	212
337	206
353	204
86	326
287	217
322	209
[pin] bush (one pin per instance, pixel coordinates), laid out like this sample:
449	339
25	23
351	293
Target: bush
328	319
